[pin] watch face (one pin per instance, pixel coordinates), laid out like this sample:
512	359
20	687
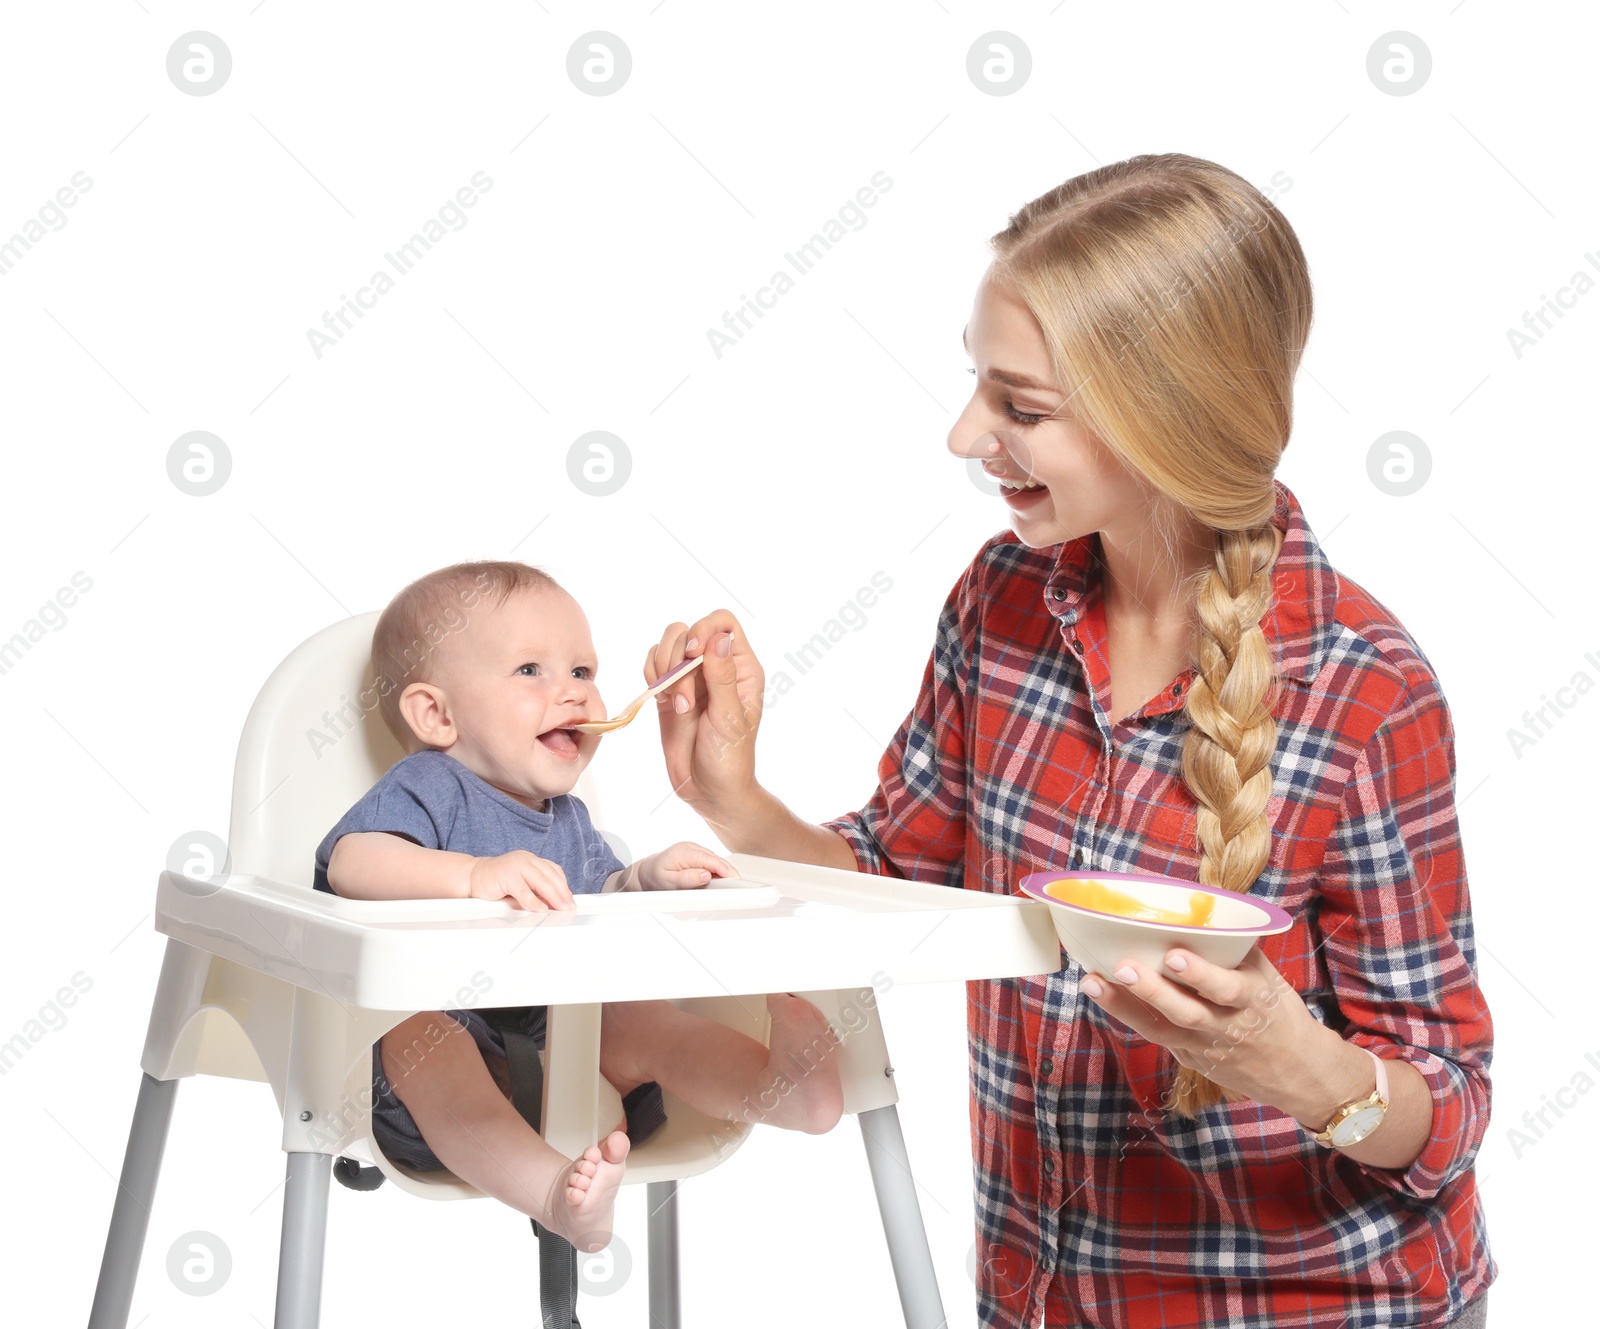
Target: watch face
1357	1126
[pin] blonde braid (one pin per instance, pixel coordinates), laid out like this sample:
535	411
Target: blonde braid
1227	753
1175	303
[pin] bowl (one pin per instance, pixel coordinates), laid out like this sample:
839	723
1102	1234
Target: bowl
1101	941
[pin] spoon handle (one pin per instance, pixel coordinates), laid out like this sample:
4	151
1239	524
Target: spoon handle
674	674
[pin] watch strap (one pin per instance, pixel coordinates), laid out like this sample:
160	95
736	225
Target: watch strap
1383	1077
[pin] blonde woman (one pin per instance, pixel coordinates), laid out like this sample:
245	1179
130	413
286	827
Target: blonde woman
1157	669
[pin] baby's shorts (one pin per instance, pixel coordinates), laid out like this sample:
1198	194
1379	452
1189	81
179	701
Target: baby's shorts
397	1134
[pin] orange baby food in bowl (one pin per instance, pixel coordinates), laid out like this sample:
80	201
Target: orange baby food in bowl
1105	918
1087	893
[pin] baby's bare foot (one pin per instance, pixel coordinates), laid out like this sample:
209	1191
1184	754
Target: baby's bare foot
581	1207
802	1068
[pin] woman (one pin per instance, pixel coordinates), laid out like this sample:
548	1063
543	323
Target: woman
1158	670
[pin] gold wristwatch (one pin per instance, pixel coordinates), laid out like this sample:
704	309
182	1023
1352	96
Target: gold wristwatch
1353	1122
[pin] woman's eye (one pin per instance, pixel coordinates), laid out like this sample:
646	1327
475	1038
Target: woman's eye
1021	417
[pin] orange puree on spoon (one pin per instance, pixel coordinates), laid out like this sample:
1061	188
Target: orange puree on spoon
1106	899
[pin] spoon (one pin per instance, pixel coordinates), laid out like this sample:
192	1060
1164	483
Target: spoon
623	717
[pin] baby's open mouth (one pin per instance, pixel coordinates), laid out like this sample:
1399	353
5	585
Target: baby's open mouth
563	742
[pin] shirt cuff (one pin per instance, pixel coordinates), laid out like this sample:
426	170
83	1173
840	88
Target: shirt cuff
869	854
1460	1113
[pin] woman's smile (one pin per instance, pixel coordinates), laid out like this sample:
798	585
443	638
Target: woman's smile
1020	500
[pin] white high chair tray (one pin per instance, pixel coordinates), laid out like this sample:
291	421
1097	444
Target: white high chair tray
778	926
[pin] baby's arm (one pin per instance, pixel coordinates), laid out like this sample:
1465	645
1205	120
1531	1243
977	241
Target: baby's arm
382	865
629	878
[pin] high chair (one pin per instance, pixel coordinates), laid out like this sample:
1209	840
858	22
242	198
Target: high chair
266	979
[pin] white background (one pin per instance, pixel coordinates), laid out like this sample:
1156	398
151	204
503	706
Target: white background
773	481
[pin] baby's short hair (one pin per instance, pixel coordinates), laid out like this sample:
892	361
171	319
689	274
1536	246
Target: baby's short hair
414	625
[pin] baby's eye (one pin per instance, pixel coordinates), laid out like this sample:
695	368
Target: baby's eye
582	671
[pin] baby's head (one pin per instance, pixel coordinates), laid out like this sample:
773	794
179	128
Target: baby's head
489	661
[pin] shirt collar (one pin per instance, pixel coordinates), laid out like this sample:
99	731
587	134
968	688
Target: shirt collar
1305	590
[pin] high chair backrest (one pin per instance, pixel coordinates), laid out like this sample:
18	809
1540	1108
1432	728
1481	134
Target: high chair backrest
313	743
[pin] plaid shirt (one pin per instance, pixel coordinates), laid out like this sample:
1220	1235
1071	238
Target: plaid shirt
1093	1206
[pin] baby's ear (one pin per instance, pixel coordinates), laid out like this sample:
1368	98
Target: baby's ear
426	715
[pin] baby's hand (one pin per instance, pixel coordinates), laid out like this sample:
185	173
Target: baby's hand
682	866
534	883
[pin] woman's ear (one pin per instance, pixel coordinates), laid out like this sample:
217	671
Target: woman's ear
427	712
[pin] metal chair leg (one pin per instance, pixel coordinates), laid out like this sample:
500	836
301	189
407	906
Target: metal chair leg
661	1198
902	1218
305	1224
130	1214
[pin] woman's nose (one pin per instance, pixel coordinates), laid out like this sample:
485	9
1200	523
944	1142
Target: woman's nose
990	449
1001	453
981	443
972	437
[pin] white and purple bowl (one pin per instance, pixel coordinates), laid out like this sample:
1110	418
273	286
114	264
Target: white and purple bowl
1100	941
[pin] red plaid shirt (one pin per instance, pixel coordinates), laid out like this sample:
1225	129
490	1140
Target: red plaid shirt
1093	1206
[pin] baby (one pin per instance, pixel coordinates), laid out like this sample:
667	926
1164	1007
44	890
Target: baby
481	808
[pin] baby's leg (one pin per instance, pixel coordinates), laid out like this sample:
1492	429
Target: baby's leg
793	1083
468	1122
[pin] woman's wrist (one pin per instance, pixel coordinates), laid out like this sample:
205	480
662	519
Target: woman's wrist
1332	1072
743	822
1332	1076
759	823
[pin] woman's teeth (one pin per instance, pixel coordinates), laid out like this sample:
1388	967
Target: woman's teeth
1021	484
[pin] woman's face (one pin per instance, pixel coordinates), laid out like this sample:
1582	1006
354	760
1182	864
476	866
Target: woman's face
1083	488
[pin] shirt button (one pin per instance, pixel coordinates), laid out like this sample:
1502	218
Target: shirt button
1058	592
1177	689
1077	646
1046	1066
1050	1165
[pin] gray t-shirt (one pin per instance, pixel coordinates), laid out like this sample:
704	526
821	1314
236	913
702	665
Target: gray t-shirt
431	798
